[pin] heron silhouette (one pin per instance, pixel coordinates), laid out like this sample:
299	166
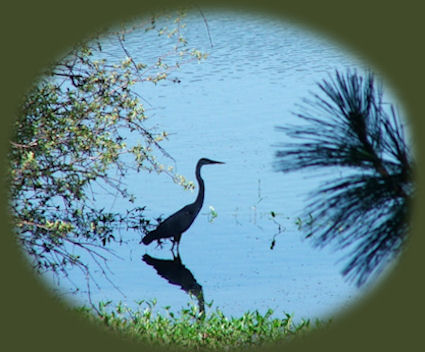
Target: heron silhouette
173	226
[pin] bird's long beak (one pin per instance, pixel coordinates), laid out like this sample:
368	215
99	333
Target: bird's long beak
216	162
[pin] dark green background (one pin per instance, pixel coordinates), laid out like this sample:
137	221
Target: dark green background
388	35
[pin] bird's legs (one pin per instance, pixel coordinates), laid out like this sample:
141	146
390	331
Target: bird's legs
176	254
176	239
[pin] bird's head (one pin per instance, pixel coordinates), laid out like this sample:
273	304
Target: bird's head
205	161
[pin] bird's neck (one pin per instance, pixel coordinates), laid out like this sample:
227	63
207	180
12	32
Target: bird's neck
200	198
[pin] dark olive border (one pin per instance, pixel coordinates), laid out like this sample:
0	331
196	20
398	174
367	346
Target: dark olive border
387	34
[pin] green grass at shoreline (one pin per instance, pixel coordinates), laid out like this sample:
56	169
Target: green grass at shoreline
189	329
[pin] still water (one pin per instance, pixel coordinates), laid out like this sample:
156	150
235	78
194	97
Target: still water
226	108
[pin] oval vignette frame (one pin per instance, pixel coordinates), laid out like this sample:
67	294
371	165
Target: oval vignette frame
384	318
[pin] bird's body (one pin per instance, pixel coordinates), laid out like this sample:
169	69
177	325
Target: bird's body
174	225
177	223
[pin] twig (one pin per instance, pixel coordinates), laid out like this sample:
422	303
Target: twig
206	25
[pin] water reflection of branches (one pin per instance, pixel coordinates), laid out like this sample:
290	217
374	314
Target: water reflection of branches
177	274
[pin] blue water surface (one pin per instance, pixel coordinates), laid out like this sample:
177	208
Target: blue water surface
226	108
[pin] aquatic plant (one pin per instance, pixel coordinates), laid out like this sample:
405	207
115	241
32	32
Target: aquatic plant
188	328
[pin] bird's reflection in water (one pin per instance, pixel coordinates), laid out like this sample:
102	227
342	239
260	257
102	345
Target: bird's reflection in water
177	274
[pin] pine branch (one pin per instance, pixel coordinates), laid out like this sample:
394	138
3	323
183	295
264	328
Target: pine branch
347	127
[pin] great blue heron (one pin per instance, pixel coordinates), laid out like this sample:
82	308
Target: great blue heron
173	226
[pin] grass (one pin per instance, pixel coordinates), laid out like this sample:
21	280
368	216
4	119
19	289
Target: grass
188	329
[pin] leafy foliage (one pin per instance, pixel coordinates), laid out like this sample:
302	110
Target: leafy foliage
79	131
188	329
349	128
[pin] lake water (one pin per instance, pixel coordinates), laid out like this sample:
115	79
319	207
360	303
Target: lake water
226	108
